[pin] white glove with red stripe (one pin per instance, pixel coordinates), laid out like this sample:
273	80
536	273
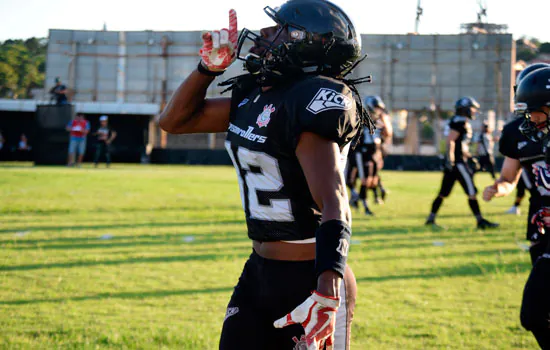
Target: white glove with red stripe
318	317
219	47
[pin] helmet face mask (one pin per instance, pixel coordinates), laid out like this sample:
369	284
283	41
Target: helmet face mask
533	102
313	36
534	131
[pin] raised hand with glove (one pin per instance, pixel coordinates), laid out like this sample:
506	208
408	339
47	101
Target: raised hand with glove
219	48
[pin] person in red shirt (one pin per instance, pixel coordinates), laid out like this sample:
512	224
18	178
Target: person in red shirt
78	128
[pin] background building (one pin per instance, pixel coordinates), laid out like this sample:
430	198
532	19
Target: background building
131	75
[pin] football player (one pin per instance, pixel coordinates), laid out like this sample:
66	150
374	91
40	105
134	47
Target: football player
520	153
533	103
289	123
386	135
384	131
485	146
367	153
459	135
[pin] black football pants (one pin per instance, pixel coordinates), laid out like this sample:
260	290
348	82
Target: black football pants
269	289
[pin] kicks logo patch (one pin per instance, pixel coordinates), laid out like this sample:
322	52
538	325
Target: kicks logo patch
328	99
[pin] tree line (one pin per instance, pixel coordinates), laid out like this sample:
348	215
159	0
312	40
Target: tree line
22	66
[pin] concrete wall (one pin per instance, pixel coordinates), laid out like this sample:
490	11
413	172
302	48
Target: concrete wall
410	72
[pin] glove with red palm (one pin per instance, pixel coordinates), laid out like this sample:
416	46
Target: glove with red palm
219	47
318	317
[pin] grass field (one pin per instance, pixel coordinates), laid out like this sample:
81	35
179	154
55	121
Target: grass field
146	257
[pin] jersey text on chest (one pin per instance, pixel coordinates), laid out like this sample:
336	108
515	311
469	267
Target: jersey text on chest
247	134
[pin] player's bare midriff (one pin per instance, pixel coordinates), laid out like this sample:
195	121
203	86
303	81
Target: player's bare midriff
285	251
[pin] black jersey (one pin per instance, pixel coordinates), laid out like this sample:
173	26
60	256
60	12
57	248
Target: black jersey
263	133
461	125
515	145
369	143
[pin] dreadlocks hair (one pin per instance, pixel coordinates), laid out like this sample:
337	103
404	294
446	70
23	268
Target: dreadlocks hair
248	81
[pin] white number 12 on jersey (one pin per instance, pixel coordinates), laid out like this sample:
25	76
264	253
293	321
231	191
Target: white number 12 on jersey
268	179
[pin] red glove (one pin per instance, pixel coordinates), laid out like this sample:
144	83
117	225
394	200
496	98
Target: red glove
538	218
318	317
219	47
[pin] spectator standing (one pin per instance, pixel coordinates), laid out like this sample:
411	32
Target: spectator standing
23	144
79	129
1	141
59	93
105	136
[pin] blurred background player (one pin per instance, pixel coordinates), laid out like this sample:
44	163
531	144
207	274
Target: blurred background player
78	129
368	153
105	136
385	131
485	146
459	135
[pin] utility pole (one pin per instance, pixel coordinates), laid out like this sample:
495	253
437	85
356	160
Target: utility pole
419	12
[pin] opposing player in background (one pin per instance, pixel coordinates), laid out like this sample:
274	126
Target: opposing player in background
289	124
459	135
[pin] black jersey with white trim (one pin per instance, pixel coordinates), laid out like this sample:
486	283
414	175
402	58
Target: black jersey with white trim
515	145
462	126
264	131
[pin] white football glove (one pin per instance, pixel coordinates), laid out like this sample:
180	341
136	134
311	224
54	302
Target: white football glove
219	47
318	317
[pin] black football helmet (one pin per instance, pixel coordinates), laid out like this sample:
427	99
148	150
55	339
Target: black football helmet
463	106
373	102
318	38
532	94
528	70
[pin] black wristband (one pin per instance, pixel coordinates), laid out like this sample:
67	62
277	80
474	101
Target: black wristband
332	246
205	71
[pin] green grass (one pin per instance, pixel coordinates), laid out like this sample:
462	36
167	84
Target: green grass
179	243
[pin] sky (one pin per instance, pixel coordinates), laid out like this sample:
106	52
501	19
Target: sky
20	19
